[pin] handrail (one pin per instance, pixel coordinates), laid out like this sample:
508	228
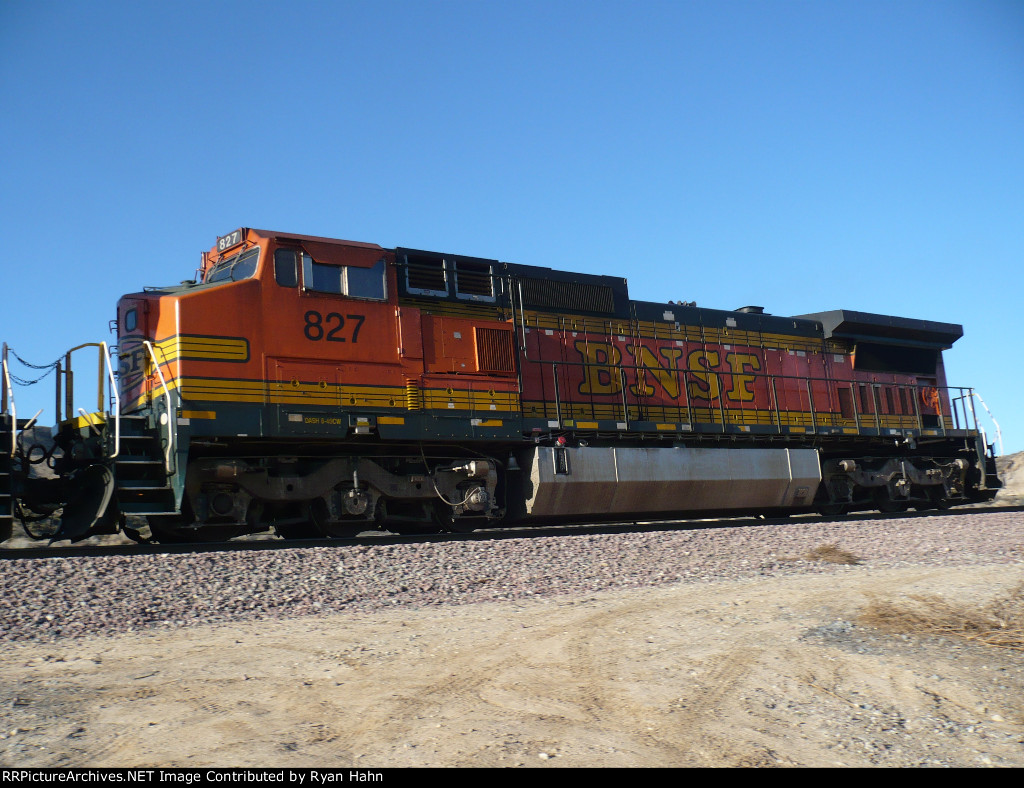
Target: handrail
9	394
170	411
69	390
810	405
117	400
625	403
818	419
4	381
871	386
999	432
32	421
558	407
88	420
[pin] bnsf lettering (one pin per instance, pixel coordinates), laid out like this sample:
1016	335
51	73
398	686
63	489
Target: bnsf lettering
332	328
601	375
131	361
742	390
709	374
667	377
706	385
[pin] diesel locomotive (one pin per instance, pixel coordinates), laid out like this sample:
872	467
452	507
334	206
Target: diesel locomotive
313	386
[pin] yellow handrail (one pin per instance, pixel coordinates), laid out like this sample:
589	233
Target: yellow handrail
104	363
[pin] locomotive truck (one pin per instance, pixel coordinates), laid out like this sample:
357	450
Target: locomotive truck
313	386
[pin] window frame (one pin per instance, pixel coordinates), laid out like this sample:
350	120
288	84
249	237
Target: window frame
342	279
294	263
252	251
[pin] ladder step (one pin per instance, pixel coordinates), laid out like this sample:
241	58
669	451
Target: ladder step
139	485
140	493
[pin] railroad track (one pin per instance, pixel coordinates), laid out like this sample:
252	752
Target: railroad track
269	542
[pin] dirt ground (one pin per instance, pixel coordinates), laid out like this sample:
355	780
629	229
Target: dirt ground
769	672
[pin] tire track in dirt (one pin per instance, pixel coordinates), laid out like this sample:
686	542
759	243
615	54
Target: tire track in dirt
751	673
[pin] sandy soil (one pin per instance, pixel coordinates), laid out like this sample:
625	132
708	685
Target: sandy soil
1011	472
770	672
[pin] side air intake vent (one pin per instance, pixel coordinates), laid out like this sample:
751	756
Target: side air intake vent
494	350
425	275
572	296
473	280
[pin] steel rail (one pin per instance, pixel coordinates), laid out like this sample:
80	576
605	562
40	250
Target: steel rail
266	541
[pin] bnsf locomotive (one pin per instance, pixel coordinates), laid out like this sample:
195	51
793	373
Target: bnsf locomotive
322	387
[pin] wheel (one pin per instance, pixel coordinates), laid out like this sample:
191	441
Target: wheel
936	501
886	504
405	519
442	516
322	525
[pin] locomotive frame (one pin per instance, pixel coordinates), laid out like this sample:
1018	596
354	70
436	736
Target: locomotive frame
323	387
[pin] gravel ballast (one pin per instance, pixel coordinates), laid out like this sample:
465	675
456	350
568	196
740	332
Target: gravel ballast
47	599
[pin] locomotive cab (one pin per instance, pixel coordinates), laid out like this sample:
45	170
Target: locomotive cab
286	351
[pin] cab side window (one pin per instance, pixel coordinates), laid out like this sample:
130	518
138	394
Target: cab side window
365	282
286	272
347	280
320	277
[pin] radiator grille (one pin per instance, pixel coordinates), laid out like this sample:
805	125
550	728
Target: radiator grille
494	350
572	296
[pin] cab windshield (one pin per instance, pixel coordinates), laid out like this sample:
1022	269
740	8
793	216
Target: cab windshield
235	268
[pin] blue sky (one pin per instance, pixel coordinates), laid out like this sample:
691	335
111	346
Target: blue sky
802	156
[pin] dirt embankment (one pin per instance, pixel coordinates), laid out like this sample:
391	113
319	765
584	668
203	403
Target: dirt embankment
1011	472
